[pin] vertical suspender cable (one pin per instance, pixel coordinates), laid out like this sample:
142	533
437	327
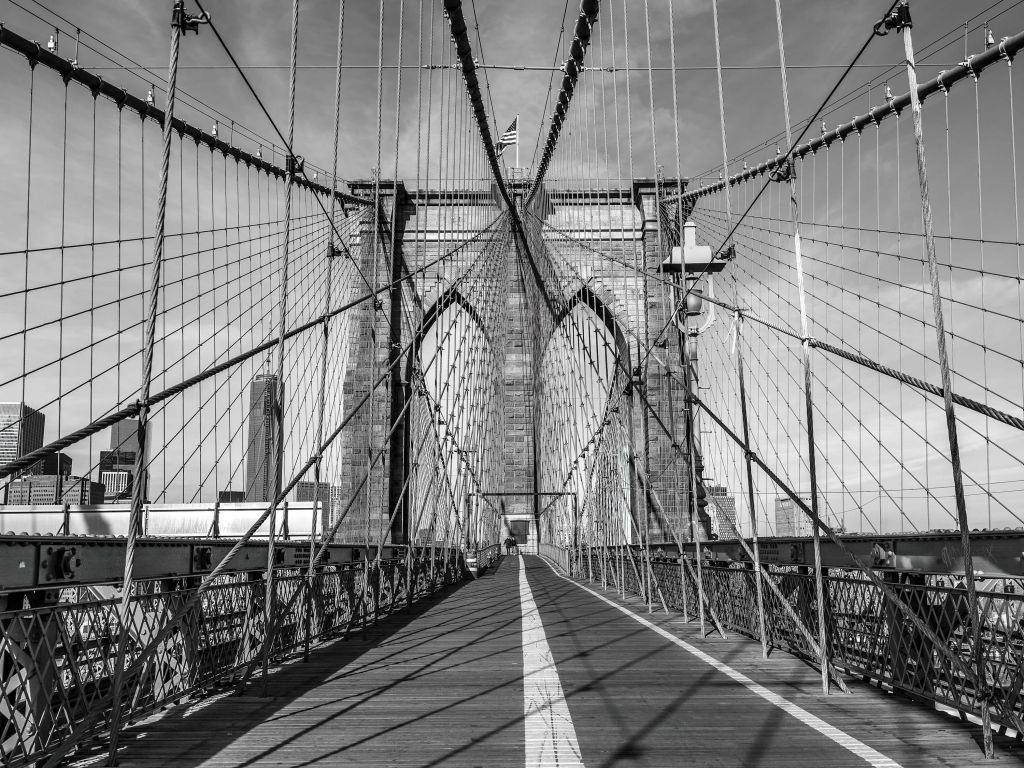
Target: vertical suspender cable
138	486
375	235
394	337
804	333
282	327
680	337
412	470
758	576
645	368
981	693
332	253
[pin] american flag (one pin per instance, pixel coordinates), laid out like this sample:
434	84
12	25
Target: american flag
509	137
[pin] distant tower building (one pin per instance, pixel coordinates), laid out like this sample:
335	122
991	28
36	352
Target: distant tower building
229	496
54	464
117	466
124	435
791	520
723	511
21	432
262	468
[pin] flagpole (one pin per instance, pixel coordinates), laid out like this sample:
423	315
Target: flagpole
517	141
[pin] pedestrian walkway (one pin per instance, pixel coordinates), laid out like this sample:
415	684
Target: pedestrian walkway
466	678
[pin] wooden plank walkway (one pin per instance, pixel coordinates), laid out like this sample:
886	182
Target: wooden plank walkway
443	685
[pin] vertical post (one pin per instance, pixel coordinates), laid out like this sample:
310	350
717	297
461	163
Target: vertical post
178	20
901	20
517	142
758	576
819	580
691	450
633	485
413	523
591	523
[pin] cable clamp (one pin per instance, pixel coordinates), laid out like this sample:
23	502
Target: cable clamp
969	64
942	83
1006	56
783	172
295	165
897	20
186	22
33	58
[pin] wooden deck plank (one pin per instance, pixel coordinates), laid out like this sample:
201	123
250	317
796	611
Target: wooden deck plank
442	685
638	699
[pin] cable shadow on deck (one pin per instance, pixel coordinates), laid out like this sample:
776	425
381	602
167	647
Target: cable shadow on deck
286	683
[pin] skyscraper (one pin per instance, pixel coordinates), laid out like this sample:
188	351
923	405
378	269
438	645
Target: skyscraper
791	520
21	432
723	511
262	468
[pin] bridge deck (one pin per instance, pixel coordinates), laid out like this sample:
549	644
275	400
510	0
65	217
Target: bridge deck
444	684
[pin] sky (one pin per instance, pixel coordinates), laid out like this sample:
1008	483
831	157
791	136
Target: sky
821	38
523	33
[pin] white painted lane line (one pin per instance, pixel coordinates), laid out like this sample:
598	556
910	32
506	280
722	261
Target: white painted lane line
843	739
550	734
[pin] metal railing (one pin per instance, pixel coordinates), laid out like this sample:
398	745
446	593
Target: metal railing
557	555
866	636
57	662
194	520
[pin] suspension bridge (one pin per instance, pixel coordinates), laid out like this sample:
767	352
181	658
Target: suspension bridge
348	439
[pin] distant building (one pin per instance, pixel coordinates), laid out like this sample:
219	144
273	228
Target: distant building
723	511
54	464
116	471
21	432
54	489
117	485
262	469
791	520
57	464
124	435
117	466
230	497
304	492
